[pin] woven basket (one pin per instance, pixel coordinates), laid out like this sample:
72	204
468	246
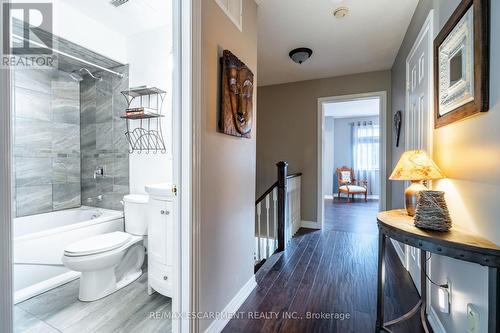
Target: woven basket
432	212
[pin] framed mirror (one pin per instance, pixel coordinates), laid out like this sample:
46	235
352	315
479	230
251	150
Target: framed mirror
461	63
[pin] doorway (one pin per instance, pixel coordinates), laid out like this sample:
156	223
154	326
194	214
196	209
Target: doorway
351	153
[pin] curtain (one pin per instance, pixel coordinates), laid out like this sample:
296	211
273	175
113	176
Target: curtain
365	154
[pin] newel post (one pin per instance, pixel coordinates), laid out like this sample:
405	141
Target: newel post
282	173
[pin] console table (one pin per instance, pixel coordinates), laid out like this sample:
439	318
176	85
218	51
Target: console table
456	243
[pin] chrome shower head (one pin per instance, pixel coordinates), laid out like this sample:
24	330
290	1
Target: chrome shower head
77	75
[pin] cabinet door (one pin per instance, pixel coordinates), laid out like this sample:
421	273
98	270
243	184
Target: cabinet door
160	232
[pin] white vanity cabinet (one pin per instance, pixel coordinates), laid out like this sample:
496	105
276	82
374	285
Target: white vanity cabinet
161	231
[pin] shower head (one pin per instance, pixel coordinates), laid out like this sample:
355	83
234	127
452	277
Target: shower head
77	75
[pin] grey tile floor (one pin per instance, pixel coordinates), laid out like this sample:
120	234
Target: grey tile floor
127	310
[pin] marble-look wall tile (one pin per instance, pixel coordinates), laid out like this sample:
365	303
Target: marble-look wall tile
88	137
65	138
104	105
33	199
33	171
32	104
88	190
103	141
66	196
66	169
34	79
65	99
87	102
46	141
104	136
66	110
32	136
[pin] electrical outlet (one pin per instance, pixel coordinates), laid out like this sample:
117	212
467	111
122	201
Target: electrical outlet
473	319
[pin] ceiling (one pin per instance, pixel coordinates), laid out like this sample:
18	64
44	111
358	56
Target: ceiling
128	19
350	109
367	39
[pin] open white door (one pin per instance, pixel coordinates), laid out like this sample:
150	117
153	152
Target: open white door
419	113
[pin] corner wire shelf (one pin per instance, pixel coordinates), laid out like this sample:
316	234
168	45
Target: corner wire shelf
147	135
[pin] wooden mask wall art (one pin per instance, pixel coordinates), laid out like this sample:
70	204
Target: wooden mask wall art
237	97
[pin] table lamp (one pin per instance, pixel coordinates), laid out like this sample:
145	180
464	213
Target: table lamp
415	166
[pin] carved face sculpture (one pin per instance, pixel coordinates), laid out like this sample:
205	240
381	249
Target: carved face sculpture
237	97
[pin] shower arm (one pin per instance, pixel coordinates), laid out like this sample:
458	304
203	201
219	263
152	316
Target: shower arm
68	55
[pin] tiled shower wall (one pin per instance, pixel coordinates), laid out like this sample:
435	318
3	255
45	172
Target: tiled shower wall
103	141
46	141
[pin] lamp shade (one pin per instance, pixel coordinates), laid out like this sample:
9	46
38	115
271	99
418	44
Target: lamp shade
416	165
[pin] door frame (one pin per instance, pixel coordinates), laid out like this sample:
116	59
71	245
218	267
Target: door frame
187	58
6	280
382	96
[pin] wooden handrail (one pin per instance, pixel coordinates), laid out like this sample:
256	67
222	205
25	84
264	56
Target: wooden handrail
269	190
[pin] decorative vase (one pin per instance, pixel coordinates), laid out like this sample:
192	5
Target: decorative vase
432	212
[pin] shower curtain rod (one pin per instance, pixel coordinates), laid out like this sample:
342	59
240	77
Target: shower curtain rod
69	56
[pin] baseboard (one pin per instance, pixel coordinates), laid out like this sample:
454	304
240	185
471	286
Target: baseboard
310	224
232	307
434	321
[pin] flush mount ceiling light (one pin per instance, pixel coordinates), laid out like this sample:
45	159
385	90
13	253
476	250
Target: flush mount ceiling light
300	55
341	12
118	3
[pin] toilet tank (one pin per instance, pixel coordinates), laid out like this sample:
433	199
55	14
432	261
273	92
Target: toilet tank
136	219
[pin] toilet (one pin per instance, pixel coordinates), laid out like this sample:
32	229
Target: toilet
109	262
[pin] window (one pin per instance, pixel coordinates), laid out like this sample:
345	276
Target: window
366	147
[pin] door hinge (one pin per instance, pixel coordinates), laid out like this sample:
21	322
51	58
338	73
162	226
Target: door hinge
174	190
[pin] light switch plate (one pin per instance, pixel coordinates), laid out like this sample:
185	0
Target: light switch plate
473	319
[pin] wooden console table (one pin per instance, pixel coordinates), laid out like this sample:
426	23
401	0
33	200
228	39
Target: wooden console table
458	244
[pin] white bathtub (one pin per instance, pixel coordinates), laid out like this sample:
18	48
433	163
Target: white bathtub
40	240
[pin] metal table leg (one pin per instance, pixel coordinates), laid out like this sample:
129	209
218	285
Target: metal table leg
493	297
423	290
380	282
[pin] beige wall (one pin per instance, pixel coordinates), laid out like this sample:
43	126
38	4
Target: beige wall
227	167
288	116
469	154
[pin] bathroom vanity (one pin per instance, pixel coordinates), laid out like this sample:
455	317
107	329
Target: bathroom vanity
161	231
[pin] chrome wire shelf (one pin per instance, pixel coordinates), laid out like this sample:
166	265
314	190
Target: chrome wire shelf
144	132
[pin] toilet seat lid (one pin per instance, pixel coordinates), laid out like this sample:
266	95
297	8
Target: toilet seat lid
97	244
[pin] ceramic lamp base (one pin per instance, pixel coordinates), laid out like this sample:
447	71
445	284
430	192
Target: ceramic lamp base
411	196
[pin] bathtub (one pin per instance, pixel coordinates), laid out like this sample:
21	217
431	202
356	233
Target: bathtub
40	240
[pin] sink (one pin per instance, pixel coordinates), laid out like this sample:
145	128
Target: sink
164	190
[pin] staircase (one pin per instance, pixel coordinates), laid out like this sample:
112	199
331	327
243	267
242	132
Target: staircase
277	215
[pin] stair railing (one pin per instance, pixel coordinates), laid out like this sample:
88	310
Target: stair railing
277	213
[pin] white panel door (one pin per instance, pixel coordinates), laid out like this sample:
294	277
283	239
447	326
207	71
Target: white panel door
419	113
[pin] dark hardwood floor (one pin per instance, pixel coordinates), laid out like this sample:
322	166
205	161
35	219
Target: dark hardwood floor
331	272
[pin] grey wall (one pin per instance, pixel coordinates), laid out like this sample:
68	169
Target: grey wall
287	123
103	141
227	164
467	152
46	141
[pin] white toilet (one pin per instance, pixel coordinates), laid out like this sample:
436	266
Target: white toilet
109	262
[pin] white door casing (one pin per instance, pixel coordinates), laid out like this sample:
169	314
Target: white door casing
382	96
419	113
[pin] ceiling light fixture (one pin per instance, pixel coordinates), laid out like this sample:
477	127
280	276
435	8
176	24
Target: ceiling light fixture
118	3
341	12
300	54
